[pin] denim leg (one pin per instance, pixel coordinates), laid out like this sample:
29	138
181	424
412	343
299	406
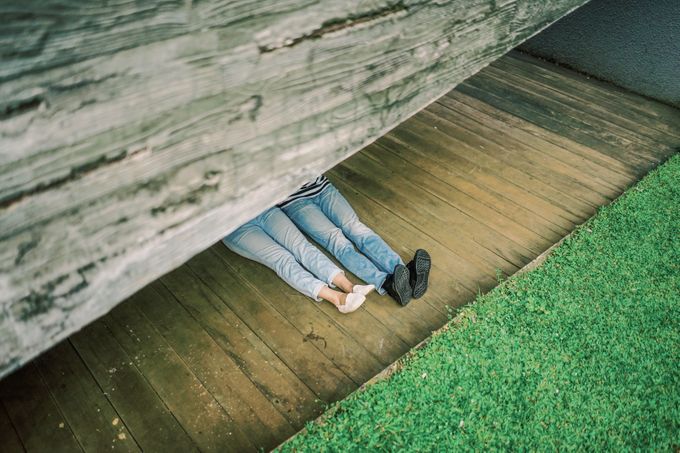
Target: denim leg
339	211
311	220
277	225
251	241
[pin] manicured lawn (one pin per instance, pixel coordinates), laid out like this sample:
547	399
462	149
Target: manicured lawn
581	353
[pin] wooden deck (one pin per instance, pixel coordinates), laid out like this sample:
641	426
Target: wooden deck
220	355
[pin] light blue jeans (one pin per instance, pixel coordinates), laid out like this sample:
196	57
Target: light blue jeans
273	240
329	220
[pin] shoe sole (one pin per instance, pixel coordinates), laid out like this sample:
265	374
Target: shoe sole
423	264
402	285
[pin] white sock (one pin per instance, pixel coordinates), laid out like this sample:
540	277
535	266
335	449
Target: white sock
363	289
352	302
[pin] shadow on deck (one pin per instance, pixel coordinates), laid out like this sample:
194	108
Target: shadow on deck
221	355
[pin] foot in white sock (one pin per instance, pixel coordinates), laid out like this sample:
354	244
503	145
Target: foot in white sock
352	302
363	289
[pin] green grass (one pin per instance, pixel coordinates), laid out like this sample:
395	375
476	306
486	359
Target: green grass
581	353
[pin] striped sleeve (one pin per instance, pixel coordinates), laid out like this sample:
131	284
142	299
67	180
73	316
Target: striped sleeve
308	190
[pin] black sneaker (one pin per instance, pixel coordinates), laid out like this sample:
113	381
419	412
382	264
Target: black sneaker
397	285
419	270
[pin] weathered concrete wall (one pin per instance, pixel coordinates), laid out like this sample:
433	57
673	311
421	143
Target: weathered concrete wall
633	43
134	135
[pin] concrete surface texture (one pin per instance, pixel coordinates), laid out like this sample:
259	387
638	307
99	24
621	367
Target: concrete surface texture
632	43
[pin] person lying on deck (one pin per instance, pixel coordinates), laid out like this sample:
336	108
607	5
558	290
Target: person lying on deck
321	211
273	240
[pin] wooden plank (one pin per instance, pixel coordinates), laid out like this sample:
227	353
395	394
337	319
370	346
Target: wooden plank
513	102
468	171
532	169
440	152
450	207
514	235
508	235
320	374
456	153
365	328
255	358
147	417
8	435
627	169
568	167
616	134
202	417
501	204
93	420
650	112
361	326
455	279
346	352
398	198
509	150
250	410
600	106
34	414
591	162
369	329
138	135
482	152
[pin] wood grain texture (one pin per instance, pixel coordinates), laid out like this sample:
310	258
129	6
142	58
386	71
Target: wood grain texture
154	427
222	345
135	134
94	422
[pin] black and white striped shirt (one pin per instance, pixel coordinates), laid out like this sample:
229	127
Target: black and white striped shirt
310	189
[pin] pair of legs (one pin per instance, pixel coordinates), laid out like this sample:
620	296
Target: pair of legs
329	220
273	240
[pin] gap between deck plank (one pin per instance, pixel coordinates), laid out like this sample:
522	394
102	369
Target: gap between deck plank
271	376
208	424
127	389
522	165
655	114
511	102
93	420
539	164
581	98
309	363
216	371
580	116
11	443
465	170
588	160
34	413
516	236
